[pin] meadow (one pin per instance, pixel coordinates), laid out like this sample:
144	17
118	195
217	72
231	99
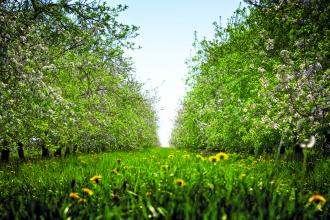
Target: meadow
163	183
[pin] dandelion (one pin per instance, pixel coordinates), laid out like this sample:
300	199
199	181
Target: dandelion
96	179
320	200
88	191
171	156
180	182
74	196
214	159
222	155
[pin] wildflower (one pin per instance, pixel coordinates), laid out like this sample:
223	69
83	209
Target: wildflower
96	179
180	182
222	155
115	171
88	191
320	200
74	195
214	159
148	194
171	156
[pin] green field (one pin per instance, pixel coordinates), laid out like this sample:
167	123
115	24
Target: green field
163	184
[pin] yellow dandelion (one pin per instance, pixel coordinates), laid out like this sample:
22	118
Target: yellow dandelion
180	182
74	195
214	159
171	156
88	191
316	198
96	179
148	194
319	200
164	167
222	156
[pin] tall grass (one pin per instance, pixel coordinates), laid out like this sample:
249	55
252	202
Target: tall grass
146	184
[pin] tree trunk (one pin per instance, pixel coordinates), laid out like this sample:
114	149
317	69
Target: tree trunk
75	148
58	152
298	153
5	155
44	151
20	151
67	151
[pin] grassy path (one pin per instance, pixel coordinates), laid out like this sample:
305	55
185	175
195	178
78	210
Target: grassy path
165	184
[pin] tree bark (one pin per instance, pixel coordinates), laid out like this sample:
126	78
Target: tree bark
5	152
67	151
44	151
298	153
58	152
5	155
20	151
75	148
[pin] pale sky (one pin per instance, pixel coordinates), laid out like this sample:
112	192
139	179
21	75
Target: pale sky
166	35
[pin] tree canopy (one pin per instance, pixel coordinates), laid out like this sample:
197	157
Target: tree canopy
65	79
262	84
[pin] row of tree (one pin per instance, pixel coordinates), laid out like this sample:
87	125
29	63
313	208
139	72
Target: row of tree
262	84
65	81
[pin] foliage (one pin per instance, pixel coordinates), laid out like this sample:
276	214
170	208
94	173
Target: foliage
65	79
262	84
163	184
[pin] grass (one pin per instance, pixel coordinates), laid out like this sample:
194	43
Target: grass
163	184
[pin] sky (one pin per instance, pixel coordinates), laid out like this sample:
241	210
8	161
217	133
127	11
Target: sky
166	36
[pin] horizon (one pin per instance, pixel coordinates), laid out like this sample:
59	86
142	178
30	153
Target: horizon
167	42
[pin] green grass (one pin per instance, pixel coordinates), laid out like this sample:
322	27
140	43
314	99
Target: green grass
242	187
